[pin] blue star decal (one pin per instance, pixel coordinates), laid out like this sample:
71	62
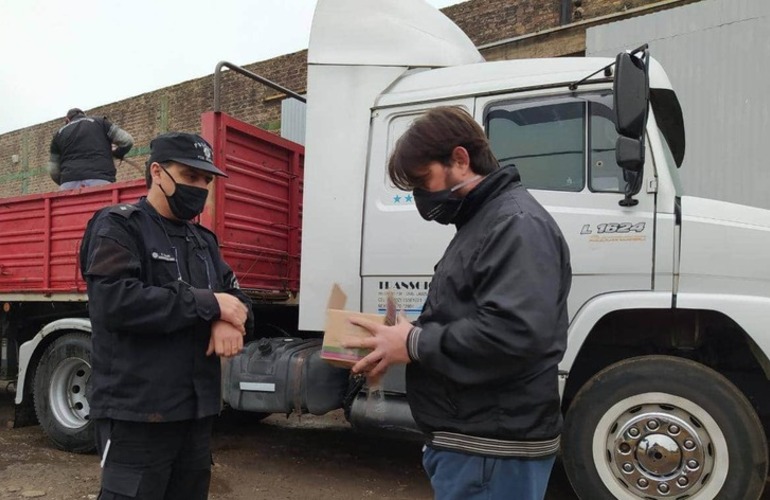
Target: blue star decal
408	198
397	199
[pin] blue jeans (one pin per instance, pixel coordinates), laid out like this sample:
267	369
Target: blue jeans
82	184
456	476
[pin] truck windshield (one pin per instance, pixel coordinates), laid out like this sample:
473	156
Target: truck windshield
555	142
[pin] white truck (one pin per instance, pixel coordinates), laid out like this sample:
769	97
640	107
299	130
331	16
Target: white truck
665	378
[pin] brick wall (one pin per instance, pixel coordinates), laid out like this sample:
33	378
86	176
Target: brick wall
595	8
179	107
21	159
486	21
172	108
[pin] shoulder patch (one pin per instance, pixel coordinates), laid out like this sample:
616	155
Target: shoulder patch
124	210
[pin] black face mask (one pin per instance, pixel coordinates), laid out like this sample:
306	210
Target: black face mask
440	206
187	202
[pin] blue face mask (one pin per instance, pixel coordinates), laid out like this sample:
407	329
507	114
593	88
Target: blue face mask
440	206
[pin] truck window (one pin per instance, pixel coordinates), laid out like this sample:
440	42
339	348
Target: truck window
604	173
547	142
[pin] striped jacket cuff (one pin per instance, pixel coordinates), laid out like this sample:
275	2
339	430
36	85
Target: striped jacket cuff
412	339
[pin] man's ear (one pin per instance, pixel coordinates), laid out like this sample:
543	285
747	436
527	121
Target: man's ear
155	171
461	159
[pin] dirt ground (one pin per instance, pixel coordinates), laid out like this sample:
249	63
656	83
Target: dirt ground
315	458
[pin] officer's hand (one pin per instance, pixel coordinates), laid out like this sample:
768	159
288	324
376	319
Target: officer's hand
232	310
226	340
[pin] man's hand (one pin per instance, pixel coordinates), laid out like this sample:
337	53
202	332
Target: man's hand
54	169
232	310
388	344
226	340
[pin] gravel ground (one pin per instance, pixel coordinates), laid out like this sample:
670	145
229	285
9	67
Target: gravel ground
312	458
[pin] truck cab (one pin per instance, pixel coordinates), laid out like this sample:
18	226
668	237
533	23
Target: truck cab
668	290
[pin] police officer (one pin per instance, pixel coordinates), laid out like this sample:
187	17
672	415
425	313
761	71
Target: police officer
162	302
81	151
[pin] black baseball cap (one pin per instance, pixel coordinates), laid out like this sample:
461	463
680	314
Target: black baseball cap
188	149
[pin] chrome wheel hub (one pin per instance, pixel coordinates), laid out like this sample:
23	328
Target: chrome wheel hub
659	451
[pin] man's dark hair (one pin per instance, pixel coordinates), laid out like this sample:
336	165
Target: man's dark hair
74	112
433	137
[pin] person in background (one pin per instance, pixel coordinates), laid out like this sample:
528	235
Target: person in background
163	306
82	151
482	358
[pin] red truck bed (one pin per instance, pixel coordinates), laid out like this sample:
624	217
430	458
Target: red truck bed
256	213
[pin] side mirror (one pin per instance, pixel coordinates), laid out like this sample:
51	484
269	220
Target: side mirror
629	153
631	100
631	94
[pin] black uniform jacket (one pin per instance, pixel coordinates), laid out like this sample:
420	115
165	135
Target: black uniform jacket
151	285
494	328
85	150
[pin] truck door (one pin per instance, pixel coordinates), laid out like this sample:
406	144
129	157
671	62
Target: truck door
564	148
399	248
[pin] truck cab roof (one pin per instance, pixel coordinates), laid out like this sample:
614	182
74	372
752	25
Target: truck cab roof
420	85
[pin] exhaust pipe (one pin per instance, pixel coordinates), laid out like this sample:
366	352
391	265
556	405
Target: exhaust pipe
394	416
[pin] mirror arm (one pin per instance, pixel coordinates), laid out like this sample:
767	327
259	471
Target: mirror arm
607	72
633	186
641	48
607	69
629	200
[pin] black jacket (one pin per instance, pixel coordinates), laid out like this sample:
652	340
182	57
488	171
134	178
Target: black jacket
494	327
83	149
151	285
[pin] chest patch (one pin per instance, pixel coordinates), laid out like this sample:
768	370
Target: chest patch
163	256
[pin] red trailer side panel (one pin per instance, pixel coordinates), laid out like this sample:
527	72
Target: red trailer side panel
258	208
40	236
256	214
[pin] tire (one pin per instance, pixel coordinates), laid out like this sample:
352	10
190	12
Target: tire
60	393
663	427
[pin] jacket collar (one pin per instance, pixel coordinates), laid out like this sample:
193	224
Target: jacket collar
486	190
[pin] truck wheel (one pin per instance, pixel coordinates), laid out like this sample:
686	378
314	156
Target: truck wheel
663	427
60	393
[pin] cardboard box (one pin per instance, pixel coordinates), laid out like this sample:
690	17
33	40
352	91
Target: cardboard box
338	328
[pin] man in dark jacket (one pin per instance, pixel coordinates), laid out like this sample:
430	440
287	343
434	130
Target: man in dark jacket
482	376
162	302
82	153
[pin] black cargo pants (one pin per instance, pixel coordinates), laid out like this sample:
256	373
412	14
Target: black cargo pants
154	461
